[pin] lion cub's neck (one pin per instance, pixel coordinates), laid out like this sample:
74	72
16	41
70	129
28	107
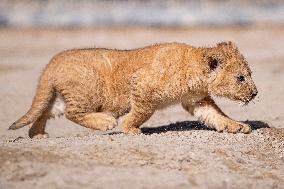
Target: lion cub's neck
196	66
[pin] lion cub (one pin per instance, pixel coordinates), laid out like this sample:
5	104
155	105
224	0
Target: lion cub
93	87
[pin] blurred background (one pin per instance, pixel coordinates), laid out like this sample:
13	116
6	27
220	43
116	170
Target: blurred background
182	13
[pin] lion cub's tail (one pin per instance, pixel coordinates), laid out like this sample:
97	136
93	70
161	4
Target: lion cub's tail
41	101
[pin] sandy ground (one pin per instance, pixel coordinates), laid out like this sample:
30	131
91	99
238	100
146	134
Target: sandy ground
174	151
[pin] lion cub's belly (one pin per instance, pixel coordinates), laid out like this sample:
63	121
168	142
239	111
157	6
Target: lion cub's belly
118	106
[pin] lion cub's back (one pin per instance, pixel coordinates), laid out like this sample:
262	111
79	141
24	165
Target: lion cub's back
85	64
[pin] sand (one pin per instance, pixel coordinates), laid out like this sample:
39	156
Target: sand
174	150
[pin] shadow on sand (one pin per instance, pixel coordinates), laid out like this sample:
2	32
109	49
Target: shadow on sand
194	125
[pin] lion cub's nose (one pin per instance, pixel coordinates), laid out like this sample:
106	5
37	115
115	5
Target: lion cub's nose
254	94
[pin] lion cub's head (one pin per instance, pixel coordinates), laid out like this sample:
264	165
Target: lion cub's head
229	73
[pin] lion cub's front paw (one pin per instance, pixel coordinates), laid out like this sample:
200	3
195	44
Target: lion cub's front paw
132	131
235	127
245	128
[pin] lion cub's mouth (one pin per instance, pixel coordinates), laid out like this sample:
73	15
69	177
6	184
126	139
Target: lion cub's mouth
245	101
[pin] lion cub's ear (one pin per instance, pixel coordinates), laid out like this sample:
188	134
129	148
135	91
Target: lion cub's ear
227	44
214	63
214	66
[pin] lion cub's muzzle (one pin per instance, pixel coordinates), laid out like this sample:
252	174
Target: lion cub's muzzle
251	97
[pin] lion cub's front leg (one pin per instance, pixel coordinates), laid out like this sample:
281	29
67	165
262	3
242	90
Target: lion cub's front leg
139	113
208	112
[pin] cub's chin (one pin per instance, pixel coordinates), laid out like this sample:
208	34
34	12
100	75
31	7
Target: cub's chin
242	101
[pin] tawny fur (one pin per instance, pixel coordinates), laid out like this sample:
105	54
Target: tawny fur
93	87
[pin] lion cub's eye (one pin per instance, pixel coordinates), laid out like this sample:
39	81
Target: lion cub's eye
241	78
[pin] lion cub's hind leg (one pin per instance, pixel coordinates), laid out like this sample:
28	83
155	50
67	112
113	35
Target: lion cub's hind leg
37	130
96	120
85	112
55	109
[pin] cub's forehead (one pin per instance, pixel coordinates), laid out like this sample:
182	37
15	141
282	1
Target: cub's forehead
235	53
239	64
236	62
244	64
244	67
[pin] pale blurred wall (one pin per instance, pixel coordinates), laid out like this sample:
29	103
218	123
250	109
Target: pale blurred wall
73	13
